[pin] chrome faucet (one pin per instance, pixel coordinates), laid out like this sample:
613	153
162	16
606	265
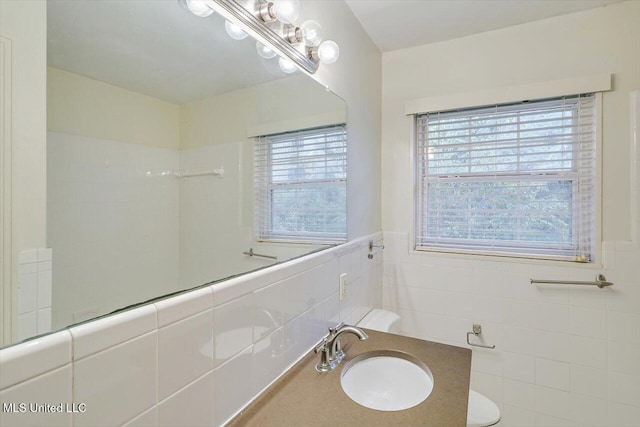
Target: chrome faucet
330	348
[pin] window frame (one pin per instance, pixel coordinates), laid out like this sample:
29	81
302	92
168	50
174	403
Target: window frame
596	262
267	187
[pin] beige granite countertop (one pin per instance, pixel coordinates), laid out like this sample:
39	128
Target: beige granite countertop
305	397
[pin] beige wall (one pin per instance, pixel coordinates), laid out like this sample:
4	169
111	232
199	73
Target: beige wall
79	105
287	104
602	40
24	23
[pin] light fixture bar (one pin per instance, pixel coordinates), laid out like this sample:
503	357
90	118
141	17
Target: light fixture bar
234	12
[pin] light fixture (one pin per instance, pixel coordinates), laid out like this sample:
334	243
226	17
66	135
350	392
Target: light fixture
198	8
298	46
266	11
287	65
234	31
328	52
311	33
292	34
287	11
265	51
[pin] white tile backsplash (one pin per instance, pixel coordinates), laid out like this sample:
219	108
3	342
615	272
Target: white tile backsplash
588	411
233	386
569	343
268	359
520	394
588	351
117	383
268	310
556	403
588	381
233	326
102	334
622	415
146	419
285	310
185	352
35	357
553	374
144	366
623	388
53	387
191	406
172	309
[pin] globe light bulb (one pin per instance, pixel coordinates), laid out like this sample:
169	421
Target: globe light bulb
265	51
199	8
234	31
287	11
287	65
328	52
311	33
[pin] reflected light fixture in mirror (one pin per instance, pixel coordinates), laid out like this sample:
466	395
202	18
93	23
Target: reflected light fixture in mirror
297	46
234	31
265	51
198	8
287	65
287	11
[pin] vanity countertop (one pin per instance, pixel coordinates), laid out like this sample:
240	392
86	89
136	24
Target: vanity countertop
305	397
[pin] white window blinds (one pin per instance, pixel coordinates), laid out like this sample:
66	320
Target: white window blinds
301	185
517	179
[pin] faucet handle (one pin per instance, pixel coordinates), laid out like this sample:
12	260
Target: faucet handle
326	364
334	329
322	345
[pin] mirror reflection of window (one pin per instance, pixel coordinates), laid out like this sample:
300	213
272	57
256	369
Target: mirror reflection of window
150	155
301	184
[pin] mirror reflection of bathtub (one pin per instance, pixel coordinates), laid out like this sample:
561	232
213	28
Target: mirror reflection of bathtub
150	153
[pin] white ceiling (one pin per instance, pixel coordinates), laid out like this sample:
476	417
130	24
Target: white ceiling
398	24
153	47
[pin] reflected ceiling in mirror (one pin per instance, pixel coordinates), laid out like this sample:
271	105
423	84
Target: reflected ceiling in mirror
152	47
152	116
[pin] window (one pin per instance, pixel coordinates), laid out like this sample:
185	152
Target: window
301	185
513	178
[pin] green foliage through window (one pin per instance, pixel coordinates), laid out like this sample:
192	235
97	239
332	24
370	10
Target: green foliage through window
300	181
515	178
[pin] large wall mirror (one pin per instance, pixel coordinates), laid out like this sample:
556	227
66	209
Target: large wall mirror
174	150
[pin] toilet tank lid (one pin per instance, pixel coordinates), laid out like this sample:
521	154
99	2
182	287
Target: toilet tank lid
482	412
379	320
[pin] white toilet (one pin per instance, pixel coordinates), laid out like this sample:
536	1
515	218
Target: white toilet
482	412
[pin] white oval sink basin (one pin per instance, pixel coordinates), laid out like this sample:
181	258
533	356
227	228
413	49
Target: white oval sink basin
387	380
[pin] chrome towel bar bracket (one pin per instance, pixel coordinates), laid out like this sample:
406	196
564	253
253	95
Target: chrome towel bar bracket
251	253
600	282
372	252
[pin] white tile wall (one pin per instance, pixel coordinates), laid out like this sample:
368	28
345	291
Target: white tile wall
122	377
191	406
34	292
156	365
564	355
111	197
